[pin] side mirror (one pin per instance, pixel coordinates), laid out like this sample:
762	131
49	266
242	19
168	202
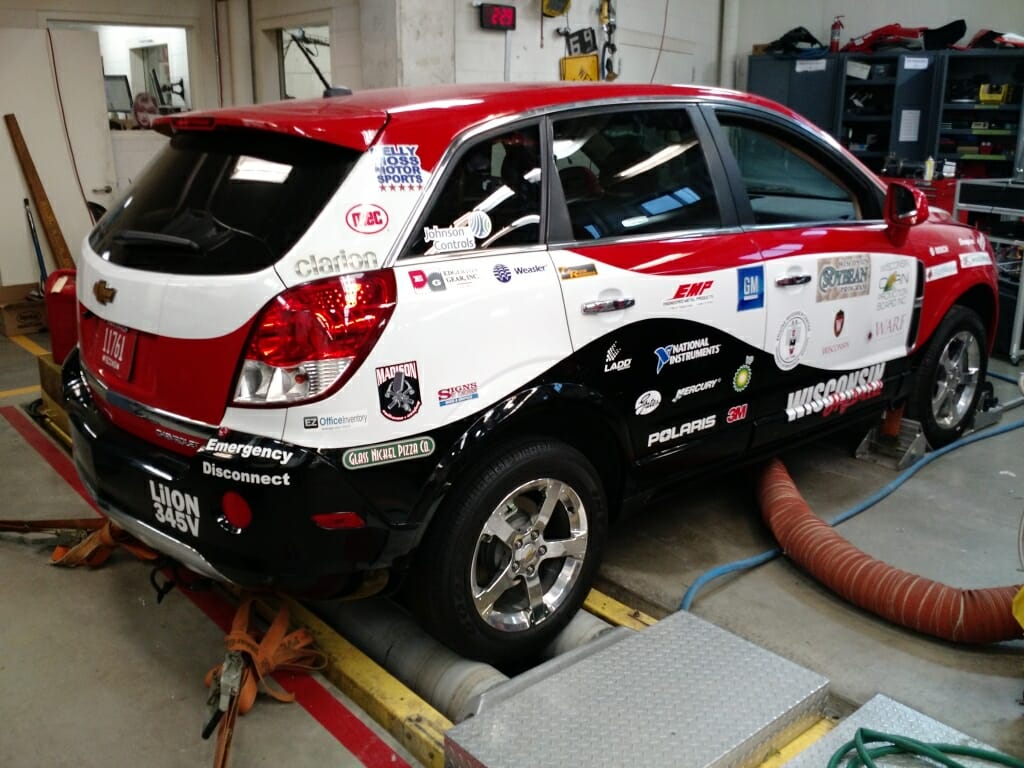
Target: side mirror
905	207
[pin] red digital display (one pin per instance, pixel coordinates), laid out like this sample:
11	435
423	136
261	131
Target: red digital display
497	16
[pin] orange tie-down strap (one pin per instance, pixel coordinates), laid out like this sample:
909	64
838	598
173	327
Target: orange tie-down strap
93	550
262	654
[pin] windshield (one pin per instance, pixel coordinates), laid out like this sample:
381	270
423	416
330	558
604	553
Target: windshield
222	202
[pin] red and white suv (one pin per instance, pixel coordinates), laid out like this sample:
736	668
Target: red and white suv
447	333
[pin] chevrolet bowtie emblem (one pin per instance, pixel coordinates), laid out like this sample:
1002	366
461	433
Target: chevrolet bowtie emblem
104	293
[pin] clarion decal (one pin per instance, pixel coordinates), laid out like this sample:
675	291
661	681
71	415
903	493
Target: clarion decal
837	394
674	433
314	266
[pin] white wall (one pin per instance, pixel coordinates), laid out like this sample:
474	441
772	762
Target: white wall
761	21
688	51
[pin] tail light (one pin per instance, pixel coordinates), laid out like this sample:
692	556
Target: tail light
309	340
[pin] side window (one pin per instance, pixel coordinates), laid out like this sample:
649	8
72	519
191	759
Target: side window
490	198
638	172
786	182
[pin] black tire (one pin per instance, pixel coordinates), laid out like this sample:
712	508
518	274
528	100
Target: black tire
950	375
488	533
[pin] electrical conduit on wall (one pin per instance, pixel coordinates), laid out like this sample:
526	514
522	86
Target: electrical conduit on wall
958	615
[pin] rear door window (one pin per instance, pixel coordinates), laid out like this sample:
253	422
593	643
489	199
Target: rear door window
222	202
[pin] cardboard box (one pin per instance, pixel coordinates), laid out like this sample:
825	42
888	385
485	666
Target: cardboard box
18	315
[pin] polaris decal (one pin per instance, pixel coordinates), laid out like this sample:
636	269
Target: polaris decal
648	402
318	266
366	218
398	389
457	394
674	433
975	259
791	341
398	167
940	271
174	508
340	421
691	294
611	359
750	284
694	389
843	277
388	453
247	450
684	352
836	395
241	476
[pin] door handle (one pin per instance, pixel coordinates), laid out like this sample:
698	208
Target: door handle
606	305
105	190
792	280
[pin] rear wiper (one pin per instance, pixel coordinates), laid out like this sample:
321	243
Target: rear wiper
137	237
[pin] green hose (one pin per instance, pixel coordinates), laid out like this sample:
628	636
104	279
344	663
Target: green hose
904	745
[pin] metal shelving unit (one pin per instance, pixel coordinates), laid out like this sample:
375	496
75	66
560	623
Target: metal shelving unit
996	206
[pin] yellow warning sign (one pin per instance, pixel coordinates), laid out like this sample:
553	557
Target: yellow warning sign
584	67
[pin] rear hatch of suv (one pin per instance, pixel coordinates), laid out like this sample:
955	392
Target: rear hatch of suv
173	277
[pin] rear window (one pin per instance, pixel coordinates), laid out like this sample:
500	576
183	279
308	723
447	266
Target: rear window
222	202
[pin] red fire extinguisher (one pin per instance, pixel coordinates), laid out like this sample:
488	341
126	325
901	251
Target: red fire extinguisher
833	41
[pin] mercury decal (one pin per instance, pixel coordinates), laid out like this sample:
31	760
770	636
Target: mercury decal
398	388
691	294
837	394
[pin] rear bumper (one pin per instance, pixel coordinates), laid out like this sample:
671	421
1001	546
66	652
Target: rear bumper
176	504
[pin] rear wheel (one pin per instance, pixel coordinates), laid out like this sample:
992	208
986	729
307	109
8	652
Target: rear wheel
950	376
511	555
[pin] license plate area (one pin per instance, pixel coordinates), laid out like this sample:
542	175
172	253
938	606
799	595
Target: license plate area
117	348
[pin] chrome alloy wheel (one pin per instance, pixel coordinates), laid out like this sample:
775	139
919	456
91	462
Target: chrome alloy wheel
529	555
956	379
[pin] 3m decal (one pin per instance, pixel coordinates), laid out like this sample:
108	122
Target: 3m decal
843	277
673	354
366	218
940	271
334	422
741	379
457	394
694	389
387	453
241	476
502	273
750	283
317	266
975	259
174	508
736	413
611	359
648	402
836	395
791	341
674	433
578	270
398	167
691	294
398	389
893	286
440	280
443	239
246	450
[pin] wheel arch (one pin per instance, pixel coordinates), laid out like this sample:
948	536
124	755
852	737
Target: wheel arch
981	300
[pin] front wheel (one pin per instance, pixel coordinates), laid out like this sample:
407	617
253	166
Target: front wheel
950	376
510	556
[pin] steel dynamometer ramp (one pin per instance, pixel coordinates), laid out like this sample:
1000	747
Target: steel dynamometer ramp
681	693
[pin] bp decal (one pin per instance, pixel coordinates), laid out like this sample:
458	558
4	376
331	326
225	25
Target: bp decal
741	379
398	389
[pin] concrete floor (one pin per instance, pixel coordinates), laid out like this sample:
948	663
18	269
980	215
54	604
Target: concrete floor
95	673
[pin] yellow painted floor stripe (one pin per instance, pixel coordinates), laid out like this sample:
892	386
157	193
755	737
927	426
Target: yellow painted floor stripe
418	726
29	346
34	389
614	612
799	744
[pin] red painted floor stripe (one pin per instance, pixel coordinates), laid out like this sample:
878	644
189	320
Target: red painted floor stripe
351	732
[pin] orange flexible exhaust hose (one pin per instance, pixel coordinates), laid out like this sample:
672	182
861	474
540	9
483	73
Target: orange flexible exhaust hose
959	615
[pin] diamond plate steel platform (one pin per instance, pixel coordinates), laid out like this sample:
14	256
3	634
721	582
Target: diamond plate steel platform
889	716
683	693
